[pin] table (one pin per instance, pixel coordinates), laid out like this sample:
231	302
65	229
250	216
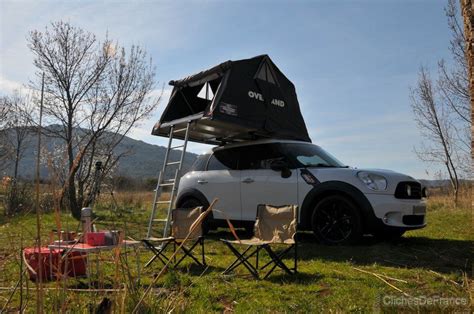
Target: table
86	248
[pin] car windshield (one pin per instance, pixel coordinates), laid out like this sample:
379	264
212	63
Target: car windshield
308	155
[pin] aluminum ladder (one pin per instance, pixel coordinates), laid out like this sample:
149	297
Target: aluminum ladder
173	182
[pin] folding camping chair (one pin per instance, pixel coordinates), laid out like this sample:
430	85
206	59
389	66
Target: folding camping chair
181	222
274	225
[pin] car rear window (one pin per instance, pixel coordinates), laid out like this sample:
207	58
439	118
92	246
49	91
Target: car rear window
224	159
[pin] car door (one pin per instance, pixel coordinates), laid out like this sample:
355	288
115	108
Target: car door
222	180
260	184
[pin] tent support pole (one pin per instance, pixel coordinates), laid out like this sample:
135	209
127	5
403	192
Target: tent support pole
186	101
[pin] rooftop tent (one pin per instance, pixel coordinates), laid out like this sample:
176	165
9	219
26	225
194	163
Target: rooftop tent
235	101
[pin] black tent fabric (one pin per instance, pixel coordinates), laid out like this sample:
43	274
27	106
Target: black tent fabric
235	101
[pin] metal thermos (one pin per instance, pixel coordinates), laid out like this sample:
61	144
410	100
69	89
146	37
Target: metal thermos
86	214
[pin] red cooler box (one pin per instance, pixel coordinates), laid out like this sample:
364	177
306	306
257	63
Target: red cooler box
75	264
50	261
95	238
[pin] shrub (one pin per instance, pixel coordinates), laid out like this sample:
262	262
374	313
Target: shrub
19	198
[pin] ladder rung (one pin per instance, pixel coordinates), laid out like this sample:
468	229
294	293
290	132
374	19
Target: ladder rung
163	202
178	146
168	182
179	130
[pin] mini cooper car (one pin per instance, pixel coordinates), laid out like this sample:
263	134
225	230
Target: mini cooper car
336	202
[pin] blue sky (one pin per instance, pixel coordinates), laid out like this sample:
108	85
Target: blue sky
352	62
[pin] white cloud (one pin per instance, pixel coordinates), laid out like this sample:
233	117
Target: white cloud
147	25
8	86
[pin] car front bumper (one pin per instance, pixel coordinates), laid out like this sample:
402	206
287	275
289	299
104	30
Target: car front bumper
401	213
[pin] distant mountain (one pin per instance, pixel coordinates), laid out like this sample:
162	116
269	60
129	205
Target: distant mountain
434	183
443	183
144	161
147	159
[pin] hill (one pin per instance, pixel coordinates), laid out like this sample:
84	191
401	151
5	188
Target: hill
143	161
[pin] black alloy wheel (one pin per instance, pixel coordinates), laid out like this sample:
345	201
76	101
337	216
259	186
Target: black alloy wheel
336	220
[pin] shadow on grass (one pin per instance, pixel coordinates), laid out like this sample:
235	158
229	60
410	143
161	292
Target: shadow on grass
300	278
441	255
188	266
194	269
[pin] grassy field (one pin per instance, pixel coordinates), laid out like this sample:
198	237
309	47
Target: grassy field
430	265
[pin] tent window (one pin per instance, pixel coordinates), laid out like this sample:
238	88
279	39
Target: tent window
190	100
262	74
206	92
270	75
266	73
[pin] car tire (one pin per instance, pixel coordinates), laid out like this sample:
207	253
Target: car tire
336	221
193	203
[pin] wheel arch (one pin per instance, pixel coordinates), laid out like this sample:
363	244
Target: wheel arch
191	193
329	188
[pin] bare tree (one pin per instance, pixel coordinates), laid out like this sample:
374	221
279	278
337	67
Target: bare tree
442	109
468	17
435	125
95	92
16	137
4	114
453	84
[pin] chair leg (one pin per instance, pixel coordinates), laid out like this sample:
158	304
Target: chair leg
151	260
174	250
280	255
202	251
243	260
158	253
246	258
188	252
237	261
277	261
256	259
296	257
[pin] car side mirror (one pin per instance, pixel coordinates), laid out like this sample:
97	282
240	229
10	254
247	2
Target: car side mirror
281	165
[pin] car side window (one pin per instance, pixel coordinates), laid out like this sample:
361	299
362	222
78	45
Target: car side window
200	163
259	156
215	164
225	159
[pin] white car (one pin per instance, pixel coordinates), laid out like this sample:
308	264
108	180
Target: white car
336	202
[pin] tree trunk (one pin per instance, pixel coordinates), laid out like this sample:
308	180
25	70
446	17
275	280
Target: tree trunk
73	207
71	184
467	12
468	16
17	161
13	197
456	194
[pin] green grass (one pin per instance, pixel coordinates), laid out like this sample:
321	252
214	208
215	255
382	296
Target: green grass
432	262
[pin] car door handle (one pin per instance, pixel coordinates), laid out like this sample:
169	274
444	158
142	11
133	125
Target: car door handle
202	181
248	180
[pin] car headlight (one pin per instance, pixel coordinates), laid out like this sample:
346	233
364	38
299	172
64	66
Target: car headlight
373	181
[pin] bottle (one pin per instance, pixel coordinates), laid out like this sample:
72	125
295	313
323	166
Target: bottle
86	214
